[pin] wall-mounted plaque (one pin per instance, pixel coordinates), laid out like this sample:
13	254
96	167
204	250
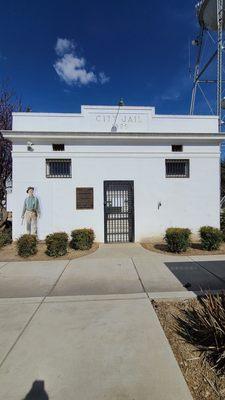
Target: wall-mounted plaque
84	198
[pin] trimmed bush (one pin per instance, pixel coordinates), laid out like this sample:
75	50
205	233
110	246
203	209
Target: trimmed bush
27	245
204	328
82	239
177	239
211	238
56	244
5	237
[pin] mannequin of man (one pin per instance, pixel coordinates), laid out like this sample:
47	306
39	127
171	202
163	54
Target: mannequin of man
31	210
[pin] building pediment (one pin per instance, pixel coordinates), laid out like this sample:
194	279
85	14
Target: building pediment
118	119
114	119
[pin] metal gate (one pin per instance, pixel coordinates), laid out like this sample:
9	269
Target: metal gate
119	211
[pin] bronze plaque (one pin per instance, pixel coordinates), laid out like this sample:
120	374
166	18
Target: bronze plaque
85	198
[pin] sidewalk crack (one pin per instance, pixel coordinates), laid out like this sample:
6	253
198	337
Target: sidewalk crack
140	280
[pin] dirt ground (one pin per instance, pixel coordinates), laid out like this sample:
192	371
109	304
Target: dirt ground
9	253
201	378
194	250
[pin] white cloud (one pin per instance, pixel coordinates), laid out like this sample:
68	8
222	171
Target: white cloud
103	78
71	68
64	46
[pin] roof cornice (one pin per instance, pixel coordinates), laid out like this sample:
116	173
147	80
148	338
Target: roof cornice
108	135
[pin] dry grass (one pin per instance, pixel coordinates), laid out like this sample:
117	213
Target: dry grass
194	250
204	327
9	253
203	381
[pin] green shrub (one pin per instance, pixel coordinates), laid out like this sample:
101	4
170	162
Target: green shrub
56	244
27	245
5	237
222	223
177	239
211	238
82	239
204	328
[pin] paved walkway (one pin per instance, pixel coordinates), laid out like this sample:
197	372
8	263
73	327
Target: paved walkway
86	330
112	270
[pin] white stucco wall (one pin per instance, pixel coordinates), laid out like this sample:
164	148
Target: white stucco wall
186	202
102	119
136	150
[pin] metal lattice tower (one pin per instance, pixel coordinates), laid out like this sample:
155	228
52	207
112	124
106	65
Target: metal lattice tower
211	18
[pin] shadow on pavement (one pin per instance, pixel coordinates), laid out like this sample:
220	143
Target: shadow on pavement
37	392
201	275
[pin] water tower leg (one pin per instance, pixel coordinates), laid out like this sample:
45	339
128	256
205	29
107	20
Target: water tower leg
219	59
196	73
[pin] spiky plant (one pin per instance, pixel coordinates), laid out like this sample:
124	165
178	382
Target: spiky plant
204	328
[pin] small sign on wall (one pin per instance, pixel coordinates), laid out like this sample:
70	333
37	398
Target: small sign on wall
84	198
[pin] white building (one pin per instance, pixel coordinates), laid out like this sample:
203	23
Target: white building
126	172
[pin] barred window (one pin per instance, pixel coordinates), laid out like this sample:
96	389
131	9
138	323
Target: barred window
177	168
58	147
58	168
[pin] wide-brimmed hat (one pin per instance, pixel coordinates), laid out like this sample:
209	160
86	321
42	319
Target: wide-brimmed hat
30	187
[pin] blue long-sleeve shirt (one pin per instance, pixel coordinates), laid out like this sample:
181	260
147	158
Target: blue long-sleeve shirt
31	203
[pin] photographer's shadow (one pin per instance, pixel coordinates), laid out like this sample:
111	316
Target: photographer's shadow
37	392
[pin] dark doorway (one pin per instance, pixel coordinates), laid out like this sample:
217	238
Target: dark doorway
119	211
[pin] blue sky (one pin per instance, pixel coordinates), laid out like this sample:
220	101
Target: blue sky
59	55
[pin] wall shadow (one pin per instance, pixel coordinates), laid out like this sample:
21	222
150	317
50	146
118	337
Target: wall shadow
200	275
37	392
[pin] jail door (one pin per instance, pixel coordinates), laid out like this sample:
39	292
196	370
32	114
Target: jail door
119	211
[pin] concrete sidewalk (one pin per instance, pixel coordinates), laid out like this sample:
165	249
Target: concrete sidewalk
89	349
113	269
86	328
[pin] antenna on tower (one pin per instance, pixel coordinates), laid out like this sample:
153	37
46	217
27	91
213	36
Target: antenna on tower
211	18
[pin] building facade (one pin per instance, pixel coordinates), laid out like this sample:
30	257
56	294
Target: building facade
126	172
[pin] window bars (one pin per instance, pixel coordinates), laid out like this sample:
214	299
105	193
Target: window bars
58	147
177	169
58	168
